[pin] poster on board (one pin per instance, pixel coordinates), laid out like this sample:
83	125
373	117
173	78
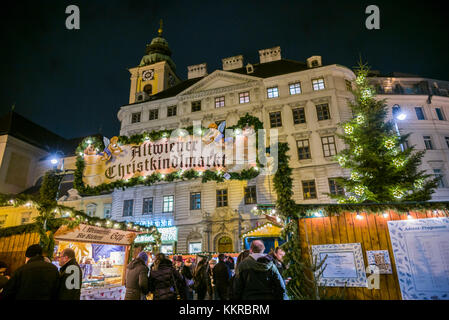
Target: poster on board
379	260
343	265
421	254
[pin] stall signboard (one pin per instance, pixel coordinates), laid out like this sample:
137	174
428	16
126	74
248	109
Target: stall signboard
93	234
343	265
180	151
421	252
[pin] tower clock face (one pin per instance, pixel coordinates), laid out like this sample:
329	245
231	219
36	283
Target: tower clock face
148	75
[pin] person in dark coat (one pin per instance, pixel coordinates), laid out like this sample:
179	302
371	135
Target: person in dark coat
71	276
221	277
136	281
35	280
200	278
277	256
187	273
3	275
164	282
210	280
257	278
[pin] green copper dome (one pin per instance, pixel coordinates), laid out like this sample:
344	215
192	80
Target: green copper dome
158	50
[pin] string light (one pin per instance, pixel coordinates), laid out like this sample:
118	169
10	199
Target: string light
389	143
349	129
385	215
360	119
398	162
409	216
359	216
358	150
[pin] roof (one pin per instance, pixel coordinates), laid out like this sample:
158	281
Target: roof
23	129
273	68
261	70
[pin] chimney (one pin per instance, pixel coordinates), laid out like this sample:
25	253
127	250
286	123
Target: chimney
314	61
268	55
232	63
196	71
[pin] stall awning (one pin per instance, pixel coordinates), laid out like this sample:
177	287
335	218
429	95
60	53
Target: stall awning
93	234
267	229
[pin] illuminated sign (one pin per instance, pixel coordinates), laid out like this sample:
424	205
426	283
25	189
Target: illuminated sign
169	234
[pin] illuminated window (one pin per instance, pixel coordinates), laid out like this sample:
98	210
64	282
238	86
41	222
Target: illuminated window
295	88
329	148
244	97
250	195
318	84
322	111
196	106
222	198
171	111
135	117
128	208
299	116
195	200
147	206
272	92
168	204
91	209
275	119
154	114
335	188
219	102
303	149
309	189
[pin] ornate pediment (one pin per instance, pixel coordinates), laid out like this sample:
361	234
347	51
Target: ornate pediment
219	82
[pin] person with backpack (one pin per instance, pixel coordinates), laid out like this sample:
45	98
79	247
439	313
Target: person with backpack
257	277
165	282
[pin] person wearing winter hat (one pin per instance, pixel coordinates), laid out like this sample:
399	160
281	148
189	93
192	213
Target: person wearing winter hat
136	282
35	280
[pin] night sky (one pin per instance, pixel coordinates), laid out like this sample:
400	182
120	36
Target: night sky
73	82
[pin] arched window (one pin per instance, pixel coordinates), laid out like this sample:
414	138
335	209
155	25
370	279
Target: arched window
148	89
225	244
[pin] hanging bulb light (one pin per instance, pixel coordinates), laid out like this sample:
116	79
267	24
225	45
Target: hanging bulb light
385	215
359	216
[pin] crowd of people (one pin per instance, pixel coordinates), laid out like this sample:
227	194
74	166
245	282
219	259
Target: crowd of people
254	275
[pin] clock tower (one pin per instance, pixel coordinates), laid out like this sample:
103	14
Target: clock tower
155	73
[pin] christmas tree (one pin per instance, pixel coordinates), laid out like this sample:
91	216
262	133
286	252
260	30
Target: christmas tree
381	168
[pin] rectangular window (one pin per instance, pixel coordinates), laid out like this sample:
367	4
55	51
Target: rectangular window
438	174
329	148
334	188
428	142
250	195
272	92
171	111
135	117
3	220
147	206
168	204
299	116
195	200
440	114
318	84
447	141
275	119
244	97
420	113
219	102
348	85
154	113
303	149
196	106
222	198
322	111
128	208
295	88
194	247
107	210
309	189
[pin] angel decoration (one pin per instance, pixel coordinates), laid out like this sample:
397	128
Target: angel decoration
111	148
216	133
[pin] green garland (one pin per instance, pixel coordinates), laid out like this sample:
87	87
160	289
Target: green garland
180	175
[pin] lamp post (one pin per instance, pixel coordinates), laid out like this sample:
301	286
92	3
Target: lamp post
398	115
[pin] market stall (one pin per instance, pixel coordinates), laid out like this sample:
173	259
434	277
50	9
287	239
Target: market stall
269	233
102	254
